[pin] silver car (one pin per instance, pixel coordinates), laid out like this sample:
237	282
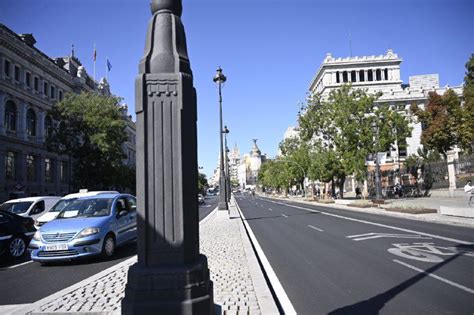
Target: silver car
87	226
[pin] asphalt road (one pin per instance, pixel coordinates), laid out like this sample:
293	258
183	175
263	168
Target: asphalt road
332	261
23	281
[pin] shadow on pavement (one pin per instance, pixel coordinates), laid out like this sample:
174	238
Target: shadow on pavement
375	304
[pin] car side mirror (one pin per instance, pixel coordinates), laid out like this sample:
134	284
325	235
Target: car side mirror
122	213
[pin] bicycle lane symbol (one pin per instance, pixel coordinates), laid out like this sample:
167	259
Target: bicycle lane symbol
427	252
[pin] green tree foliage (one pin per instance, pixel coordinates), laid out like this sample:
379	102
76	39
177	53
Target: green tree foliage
296	154
418	166
202	183
345	129
275	175
444	119
91	129
467	134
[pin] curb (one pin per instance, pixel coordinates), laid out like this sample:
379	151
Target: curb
275	285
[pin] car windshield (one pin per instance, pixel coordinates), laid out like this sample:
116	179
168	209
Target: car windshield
16	207
92	207
60	205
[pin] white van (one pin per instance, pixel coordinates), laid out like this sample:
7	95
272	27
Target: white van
63	202
32	207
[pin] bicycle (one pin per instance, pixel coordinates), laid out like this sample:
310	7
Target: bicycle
427	252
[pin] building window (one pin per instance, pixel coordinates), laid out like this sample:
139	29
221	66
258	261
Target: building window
17	73
337	77
60	95
6	68
344	76
36	84
31	122
63	172
48	126
361	76
353	76
386	73
45	88
378	75
10	116
48	170
10	163
370	75
31	167
28	79
53	92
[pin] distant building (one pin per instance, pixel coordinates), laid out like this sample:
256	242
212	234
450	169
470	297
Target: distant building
30	83
381	74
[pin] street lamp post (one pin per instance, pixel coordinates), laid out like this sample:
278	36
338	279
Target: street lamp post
220	78
377	164
227	187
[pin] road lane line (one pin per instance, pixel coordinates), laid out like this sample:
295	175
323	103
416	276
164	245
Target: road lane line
381	225
270	209
284	215
454	284
280	293
315	228
14	266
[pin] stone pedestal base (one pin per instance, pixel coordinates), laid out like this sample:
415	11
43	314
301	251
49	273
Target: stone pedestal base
169	290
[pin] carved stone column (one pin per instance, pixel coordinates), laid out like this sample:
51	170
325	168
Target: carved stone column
170	277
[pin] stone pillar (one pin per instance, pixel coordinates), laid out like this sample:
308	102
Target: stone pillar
2	114
357	76
171	276
40	136
451	172
21	122
366	75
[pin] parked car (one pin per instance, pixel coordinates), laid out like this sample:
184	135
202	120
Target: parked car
200	198
32	207
87	226
15	234
63	202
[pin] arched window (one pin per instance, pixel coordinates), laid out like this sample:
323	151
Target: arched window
344	76
353	76
361	76
378	75
337	77
31	122
48	126
10	116
370	75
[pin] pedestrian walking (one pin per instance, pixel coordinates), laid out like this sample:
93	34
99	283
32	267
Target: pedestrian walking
469	190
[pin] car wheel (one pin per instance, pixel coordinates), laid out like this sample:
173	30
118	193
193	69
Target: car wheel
108	248
17	247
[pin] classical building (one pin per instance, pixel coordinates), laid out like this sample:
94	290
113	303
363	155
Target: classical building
381	74
249	167
30	83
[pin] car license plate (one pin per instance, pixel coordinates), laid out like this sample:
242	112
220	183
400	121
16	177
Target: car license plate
55	247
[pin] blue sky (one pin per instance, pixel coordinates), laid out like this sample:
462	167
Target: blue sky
269	50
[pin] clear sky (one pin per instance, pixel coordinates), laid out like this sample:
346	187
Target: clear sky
268	49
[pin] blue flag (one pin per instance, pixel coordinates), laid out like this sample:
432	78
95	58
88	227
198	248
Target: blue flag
109	65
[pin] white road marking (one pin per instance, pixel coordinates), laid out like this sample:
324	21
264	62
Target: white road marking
369	236
315	228
284	215
14	266
285	302
379	224
270	209
454	284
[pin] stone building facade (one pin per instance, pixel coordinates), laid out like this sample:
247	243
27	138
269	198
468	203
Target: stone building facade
381	74
30	83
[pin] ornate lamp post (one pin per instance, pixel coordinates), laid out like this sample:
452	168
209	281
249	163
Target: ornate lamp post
220	78
227	187
170	276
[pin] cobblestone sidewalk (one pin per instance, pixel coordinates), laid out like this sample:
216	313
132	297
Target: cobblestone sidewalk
239	285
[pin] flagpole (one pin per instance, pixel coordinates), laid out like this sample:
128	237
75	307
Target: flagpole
95	57
106	69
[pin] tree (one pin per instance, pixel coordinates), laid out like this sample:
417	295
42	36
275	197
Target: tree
296	153
91	129
444	121
467	134
345	129
202	183
275	175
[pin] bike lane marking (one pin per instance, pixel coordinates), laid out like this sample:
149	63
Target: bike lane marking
377	224
14	266
372	235
284	215
454	284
